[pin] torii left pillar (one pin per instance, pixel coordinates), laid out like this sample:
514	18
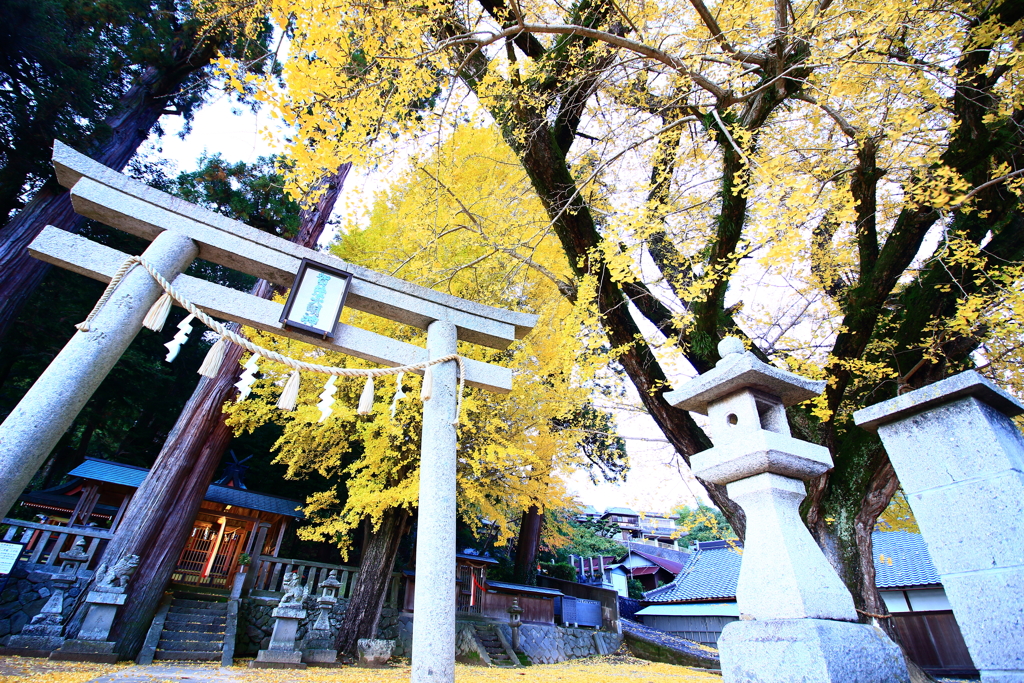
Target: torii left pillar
32	430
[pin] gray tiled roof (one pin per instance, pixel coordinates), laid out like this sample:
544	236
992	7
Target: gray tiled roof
127	475
709	575
902	560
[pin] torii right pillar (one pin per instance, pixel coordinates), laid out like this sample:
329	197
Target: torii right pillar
797	620
960	460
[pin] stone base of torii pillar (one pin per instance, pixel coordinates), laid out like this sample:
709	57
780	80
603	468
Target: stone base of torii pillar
797	619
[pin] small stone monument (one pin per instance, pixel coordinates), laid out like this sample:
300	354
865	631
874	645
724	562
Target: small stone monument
318	647
960	459
45	633
515	620
373	652
282	653
74	559
797	619
109	593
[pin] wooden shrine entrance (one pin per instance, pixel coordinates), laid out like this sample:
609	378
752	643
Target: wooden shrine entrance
210	556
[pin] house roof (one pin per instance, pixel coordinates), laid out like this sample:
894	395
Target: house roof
520	588
702	609
902	560
128	475
668	565
589	510
621	511
642	571
710	574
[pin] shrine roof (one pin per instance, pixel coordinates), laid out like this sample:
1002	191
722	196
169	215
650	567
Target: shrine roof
129	475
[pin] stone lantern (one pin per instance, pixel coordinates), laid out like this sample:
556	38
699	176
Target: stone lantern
318	647
797	619
515	620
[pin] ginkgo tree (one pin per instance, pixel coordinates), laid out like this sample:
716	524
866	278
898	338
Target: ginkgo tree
480	235
835	181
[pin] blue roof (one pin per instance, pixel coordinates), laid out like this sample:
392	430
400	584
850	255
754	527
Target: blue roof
710	574
128	475
621	511
902	560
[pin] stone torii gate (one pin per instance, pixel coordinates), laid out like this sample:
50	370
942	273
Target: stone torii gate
180	232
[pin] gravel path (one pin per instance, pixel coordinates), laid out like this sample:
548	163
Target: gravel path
668	640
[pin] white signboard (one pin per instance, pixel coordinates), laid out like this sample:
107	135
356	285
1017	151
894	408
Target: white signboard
316	299
9	554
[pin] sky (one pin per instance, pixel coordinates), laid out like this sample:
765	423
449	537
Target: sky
657	480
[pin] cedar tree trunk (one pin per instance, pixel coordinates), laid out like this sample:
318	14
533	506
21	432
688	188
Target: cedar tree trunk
379	551
525	569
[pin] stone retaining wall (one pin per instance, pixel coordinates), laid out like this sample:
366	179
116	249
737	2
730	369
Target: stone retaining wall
542	644
27	589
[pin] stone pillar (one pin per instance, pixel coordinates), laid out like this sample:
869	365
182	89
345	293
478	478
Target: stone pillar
31	431
960	459
282	652
433	635
797	620
92	644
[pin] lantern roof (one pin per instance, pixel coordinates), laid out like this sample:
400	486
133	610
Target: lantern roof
738	370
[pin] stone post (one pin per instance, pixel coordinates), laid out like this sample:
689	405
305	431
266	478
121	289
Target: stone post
433	634
109	594
960	459
31	431
282	653
797	620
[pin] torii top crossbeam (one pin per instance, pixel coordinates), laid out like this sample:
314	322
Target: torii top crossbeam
121	202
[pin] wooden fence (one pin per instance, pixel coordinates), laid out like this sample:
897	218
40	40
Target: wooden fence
43	543
267	577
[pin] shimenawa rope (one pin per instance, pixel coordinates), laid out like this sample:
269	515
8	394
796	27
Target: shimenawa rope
294	364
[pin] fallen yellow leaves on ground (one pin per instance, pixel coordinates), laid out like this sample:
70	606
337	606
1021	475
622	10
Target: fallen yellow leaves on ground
611	669
20	669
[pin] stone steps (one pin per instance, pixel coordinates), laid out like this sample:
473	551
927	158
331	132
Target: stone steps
490	642
193	630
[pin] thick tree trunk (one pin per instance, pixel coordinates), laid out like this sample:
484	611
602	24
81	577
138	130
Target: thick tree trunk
114	146
525	569
159	518
378	561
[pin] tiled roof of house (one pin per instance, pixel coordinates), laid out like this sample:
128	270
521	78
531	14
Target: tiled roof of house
669	565
128	475
710	574
621	511
589	510
902	560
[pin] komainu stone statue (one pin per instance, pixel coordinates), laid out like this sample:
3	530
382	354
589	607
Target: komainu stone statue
293	591
115	578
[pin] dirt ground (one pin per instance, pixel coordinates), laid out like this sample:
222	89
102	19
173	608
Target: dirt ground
610	669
